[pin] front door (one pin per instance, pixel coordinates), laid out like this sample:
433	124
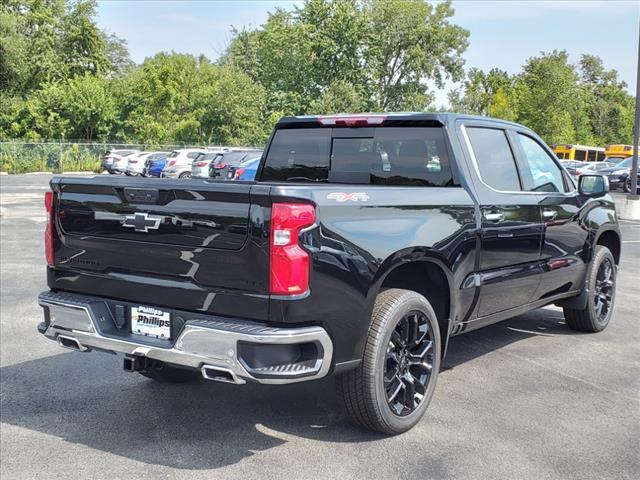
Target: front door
563	236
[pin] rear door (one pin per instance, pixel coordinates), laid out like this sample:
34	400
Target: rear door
511	228
189	245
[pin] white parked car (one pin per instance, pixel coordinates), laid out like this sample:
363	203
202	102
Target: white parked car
113	156
138	163
121	164
179	162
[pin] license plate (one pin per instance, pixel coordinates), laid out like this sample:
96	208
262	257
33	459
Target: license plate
151	322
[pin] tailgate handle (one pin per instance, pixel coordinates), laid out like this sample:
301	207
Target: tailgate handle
141	195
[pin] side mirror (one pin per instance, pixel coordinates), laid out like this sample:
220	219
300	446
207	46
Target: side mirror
593	185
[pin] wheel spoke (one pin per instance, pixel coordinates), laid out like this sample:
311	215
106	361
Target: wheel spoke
412	331
394	388
418	355
409	392
397	339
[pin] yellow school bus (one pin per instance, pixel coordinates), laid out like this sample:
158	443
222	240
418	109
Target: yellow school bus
618	151
582	153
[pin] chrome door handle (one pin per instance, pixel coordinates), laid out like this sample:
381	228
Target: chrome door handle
493	216
549	214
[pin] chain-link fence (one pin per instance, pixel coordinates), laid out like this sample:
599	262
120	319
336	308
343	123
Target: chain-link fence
68	156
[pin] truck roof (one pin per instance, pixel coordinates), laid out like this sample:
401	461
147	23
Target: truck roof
376	118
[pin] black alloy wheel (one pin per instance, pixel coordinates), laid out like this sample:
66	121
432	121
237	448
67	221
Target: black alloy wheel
603	291
599	294
409	363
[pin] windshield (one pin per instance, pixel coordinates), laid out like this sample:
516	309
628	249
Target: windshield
615	159
626	163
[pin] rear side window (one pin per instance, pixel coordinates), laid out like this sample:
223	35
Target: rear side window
411	156
494	158
192	155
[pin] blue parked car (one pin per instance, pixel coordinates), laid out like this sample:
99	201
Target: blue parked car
246	170
156	165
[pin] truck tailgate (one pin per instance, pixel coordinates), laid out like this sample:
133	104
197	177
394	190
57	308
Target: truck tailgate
194	245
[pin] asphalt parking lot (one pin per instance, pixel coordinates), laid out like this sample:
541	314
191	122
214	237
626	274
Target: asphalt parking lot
525	398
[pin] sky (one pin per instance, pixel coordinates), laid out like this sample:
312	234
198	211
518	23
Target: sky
504	34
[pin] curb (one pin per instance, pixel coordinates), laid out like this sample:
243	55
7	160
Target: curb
39	173
4	173
628	209
80	172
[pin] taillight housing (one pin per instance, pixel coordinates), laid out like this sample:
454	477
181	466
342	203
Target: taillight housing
49	199
288	260
238	172
201	164
219	165
171	163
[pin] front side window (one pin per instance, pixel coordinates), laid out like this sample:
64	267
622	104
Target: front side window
545	174
494	158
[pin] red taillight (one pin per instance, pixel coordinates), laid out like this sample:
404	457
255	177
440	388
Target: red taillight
48	230
171	163
289	262
238	172
351	120
219	165
201	164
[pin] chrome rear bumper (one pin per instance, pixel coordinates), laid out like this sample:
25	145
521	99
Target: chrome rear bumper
85	323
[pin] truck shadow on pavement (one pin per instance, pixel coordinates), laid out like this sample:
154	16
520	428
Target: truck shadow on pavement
87	399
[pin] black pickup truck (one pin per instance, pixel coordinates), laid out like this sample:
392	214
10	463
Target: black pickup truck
366	242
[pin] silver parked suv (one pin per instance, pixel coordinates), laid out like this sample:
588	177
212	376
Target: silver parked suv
179	162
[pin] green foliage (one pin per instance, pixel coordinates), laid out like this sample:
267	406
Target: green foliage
561	102
386	50
63	78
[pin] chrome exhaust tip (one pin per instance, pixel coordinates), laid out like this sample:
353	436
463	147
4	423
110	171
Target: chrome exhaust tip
219	374
71	343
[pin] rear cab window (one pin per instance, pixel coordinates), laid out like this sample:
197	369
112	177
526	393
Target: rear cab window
390	155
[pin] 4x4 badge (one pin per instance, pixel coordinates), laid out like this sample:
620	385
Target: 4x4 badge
348	196
142	222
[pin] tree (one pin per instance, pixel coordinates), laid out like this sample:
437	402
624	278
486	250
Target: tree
118	54
608	106
549	97
82	45
79	108
340	97
409	42
480	91
386	50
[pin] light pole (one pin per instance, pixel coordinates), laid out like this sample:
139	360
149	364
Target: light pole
636	132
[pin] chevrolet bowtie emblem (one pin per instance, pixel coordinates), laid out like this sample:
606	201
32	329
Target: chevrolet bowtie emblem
142	222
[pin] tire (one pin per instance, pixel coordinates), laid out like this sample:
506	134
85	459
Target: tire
185	175
366	394
162	372
601	288
626	186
